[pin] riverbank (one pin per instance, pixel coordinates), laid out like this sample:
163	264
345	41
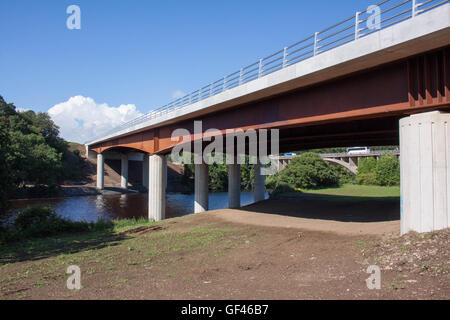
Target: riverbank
205	257
313	247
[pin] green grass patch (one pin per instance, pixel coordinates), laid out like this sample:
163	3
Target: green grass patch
350	190
126	224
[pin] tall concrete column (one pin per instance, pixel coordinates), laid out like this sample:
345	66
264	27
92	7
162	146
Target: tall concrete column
145	168
100	171
234	186
201	188
259	191
124	171
425	172
157	187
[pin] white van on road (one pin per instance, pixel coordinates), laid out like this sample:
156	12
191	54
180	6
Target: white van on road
358	150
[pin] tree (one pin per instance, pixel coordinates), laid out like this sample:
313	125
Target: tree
218	175
388	170
31	150
5	178
367	165
384	172
309	171
366	171
34	161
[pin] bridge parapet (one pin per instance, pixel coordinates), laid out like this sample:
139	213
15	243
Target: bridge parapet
360	155
349	161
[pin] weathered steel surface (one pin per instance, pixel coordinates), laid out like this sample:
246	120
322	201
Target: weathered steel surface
361	108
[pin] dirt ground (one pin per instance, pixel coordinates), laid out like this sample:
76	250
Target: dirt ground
229	254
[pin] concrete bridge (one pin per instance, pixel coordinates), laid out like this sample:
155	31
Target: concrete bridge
351	84
350	162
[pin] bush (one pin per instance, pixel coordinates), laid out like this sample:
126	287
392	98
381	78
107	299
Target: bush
388	170
367	165
384	172
272	181
366	178
34	216
41	221
345	175
6	236
282	188
309	171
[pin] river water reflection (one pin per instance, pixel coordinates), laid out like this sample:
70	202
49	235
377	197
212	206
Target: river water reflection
108	207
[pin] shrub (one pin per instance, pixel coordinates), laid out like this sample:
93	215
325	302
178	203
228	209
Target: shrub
34	216
282	188
272	181
366	178
309	171
388	170
345	175
41	221
384	172
367	165
5	236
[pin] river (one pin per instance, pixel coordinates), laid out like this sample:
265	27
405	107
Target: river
125	206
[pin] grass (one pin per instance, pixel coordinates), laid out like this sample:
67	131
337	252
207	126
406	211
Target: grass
60	244
126	224
350	190
40	262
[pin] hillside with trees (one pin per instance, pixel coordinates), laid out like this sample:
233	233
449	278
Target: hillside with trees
32	154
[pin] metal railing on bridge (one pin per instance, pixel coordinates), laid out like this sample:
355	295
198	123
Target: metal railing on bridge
368	154
382	15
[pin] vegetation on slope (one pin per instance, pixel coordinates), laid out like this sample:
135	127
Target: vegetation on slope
31	154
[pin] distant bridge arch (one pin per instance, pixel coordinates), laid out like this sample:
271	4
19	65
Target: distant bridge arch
349	166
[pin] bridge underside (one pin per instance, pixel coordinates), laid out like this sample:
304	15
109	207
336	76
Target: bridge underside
360	109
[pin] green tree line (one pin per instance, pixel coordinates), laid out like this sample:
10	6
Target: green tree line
384	172
31	151
218	176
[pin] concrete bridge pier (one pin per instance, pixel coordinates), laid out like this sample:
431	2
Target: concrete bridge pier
100	171
124	171
425	172
234	186
157	187
145	168
201	188
259	191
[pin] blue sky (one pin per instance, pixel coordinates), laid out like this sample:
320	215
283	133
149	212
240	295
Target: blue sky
140	52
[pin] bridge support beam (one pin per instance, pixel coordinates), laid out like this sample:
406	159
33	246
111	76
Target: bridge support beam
201	188
124	171
259	191
100	171
234	186
157	188
353	161
425	172
145	168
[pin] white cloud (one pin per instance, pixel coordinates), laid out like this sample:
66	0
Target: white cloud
178	94
81	119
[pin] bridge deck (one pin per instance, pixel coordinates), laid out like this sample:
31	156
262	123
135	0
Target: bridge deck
391	44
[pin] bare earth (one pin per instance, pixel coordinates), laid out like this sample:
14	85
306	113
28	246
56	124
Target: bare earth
245	254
